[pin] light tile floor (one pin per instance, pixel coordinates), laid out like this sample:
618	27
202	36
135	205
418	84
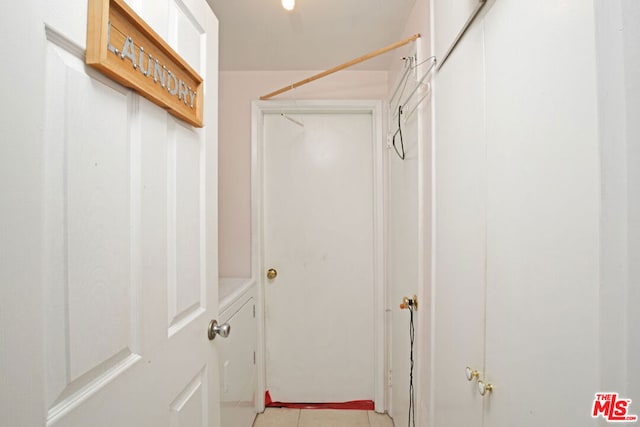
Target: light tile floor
280	417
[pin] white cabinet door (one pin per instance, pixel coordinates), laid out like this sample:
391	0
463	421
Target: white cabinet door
558	190
120	218
543	215
238	365
460	240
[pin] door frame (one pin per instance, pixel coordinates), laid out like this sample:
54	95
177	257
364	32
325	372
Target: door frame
258	111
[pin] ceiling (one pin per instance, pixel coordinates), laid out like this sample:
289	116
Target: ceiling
259	35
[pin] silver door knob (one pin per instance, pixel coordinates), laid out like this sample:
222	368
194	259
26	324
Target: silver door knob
214	329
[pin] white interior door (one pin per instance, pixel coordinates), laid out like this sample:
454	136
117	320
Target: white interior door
123	219
319	234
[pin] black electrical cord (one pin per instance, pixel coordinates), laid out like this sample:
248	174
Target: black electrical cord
400	152
412	415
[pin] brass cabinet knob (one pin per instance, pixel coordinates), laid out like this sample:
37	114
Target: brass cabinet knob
471	374
484	388
272	273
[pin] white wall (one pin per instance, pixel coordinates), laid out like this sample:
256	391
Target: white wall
237	90
408	225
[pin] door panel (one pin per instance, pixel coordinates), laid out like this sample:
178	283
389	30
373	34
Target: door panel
188	408
88	193
187	287
187	33
318	234
128	232
543	208
460	239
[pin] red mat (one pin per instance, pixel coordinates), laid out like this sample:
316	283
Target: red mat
361	405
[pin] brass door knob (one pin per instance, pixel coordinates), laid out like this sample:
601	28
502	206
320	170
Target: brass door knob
272	273
471	374
483	388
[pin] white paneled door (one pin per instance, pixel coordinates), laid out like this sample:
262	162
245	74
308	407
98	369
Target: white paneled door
121	250
320	236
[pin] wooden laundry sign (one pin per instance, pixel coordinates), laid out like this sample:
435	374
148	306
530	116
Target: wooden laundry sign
125	48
